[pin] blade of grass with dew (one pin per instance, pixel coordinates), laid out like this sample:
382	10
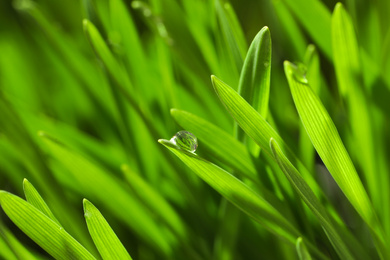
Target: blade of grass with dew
328	144
255	80
40	228
313	75
238	193
154	200
311	201
254	125
303	254
350	81
106	241
35	199
223	146
95	182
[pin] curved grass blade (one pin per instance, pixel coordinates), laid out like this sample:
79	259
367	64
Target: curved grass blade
350	81
294	34
327	142
106	241
12	248
315	18
303	254
104	53
232	32
255	79
221	144
40	228
237	193
96	182
313	74
254	125
154	201
310	199
35	199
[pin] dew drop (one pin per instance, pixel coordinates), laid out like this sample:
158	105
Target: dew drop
300	73
185	140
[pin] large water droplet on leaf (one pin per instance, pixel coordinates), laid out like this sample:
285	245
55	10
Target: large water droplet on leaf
185	140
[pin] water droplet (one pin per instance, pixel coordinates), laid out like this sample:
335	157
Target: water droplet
185	140
300	73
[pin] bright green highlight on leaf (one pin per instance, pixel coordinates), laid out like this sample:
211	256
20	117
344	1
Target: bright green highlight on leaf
103	236
40	228
35	199
328	144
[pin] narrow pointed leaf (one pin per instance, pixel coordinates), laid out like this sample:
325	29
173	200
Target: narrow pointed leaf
255	78
350	81
237	193
307	195
327	142
104	53
254	125
106	241
234	191
255	75
222	145
155	201
40	228
303	254
96	182
35	199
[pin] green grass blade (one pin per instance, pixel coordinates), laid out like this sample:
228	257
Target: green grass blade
328	144
96	182
307	195
315	18
12	248
154	201
40	228
104	53
303	254
235	191
345	50
350	81
35	199
255	78
292	31
232	32
106	241
221	144
254	125
313	74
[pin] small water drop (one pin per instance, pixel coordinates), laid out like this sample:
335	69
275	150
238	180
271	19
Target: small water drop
185	140
300	73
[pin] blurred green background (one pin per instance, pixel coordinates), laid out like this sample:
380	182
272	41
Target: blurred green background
110	109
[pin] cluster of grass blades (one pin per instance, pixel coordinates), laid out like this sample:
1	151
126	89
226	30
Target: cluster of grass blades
259	172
